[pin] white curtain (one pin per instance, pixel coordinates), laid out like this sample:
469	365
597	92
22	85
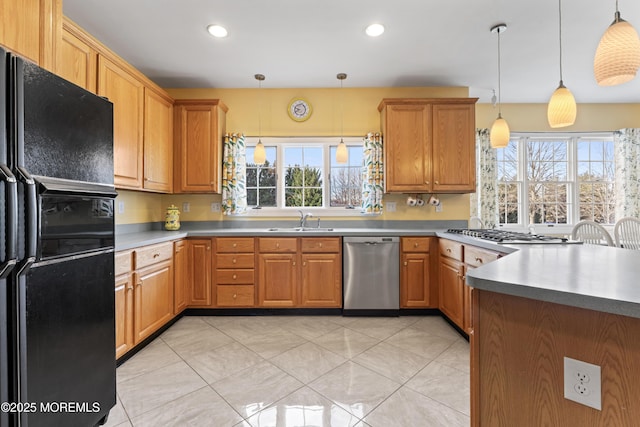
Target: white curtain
484	202
626	144
234	175
372	174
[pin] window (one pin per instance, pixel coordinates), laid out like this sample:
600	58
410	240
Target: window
556	179
302	173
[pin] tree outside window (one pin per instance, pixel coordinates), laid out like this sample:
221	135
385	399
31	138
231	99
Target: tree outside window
346	178
303	180
261	179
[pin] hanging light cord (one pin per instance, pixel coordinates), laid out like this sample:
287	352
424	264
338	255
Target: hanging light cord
259	109
560	35
341	111
499	87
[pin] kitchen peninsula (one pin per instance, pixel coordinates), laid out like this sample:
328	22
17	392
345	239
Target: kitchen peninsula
541	304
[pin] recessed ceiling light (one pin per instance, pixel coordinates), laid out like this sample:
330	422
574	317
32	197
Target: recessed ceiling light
217	31
374	30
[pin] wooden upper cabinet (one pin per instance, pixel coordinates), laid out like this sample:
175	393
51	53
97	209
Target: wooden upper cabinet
32	29
158	143
454	154
78	58
199	126
127	95
407	143
429	145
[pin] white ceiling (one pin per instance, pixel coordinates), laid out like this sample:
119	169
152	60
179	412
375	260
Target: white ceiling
306	43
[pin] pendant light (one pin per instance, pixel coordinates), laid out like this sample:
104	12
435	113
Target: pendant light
561	111
342	154
259	155
618	55
500	134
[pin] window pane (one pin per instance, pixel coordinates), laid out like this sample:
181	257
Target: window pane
346	178
303	170
261	179
596	180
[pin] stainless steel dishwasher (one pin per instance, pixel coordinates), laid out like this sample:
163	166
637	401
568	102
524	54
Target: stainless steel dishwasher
371	275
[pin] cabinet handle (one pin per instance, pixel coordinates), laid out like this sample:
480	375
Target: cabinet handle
208	248
449	250
415	245
294	263
130	287
426	182
212	183
478	259
436	182
235	296
304	263
235	277
405	263
320	245
277	245
139	284
458	274
178	250
235	245
156	255
233	261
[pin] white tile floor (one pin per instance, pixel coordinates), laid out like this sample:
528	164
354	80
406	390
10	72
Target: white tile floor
258	371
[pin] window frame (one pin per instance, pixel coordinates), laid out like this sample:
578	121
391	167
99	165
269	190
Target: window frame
572	180
279	143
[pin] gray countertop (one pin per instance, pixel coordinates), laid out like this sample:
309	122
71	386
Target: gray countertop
588	276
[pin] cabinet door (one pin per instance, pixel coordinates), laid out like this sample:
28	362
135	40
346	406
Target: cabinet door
124	314
407	147
158	142
467	316
127	95
451	290
32	29
199	130
180	277
78	60
415	283
454	158
153	299
321	280
200	273
277	280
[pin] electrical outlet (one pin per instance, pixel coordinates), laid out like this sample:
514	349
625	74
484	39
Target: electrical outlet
186	206
582	383
391	206
215	207
120	207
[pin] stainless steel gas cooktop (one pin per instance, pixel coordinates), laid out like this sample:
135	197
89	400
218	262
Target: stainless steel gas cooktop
509	237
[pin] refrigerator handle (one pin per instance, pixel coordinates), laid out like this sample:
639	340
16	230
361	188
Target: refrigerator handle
11	187
31	212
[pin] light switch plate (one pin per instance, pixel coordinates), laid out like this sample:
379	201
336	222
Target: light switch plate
391	206
186	206
215	207
120	207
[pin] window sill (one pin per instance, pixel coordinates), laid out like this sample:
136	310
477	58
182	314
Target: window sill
293	212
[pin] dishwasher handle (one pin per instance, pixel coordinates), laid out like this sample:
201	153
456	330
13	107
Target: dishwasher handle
371	240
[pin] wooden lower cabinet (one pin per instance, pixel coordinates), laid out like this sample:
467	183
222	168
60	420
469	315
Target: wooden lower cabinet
417	288
321	280
300	272
452	290
180	276
123	303
277	279
199	274
234	277
153	298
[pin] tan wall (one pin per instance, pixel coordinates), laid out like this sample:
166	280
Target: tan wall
360	116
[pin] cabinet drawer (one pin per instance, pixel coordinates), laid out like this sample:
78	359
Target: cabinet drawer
477	257
277	244
149	255
123	263
234	244
416	244
235	260
232	295
320	244
228	277
451	249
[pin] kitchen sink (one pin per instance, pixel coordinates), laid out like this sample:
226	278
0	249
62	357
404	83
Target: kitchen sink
299	229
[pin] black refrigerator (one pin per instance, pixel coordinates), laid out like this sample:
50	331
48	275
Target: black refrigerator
57	333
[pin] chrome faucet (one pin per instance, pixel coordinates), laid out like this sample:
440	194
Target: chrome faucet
303	218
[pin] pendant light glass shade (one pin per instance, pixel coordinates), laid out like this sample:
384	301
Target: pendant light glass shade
342	155
618	55
500	133
259	155
561	110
